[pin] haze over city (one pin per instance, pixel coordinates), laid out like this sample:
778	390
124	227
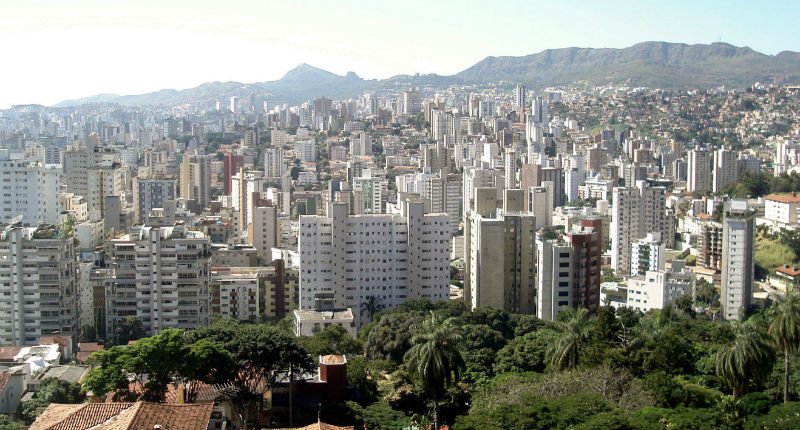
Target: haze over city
63	50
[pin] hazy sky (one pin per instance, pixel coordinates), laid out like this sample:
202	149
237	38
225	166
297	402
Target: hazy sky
54	50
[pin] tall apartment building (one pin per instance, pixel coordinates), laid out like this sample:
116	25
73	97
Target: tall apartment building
149	194
394	258
264	232
91	297
709	245
520	91
726	169
499	253
274	167
370	195
29	190
195	180
38	284
253	293
699	171
738	259
636	211
159	275
647	254
94	172
231	163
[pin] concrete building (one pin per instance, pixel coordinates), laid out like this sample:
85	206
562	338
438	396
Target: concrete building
263	232
394	258
253	294
647	254
636	211
725	169
149	194
781	209
274	166
38	284
499	254
699	171
709	244
655	289
738	259
28	189
195	180
159	275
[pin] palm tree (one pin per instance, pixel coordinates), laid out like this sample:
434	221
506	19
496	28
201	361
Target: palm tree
565	352
434	359
371	306
785	328
747	360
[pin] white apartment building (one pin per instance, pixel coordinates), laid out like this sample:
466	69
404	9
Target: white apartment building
636	211
274	167
370	195
725	169
253	293
394	258
738	259
699	171
29	189
159	275
38	281
554	278
653	290
647	254
781	209
263	231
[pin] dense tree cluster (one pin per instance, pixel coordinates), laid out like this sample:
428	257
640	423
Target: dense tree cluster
424	364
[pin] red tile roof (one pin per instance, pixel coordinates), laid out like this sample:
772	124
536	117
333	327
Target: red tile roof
7	353
319	426
788	270
4	377
783	198
124	416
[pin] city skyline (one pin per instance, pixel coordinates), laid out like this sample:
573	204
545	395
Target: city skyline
63	50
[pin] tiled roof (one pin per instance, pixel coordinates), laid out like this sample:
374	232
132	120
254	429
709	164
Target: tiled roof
78	417
319	426
783	198
8	352
89	347
333	359
124	416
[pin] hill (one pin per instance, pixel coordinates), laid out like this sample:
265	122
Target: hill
651	64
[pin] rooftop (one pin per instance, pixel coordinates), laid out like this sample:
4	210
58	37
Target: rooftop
784	198
124	416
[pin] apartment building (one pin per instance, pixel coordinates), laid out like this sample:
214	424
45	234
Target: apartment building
394	258
38	282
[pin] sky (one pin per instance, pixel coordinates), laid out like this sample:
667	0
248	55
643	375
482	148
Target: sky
54	50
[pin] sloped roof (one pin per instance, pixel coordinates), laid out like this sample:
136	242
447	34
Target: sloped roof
319	426
124	416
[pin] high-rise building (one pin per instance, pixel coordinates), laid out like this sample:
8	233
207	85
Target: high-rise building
539	110
253	293
520	91
647	254
149	194
738	259
499	253
274	166
29	190
636	212
699	171
38	284
393	258
231	164
264	231
195	180
725	169
159	275
412	104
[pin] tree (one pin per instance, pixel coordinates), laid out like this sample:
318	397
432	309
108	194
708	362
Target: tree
259	352
785	328
129	329
88	334
745	362
145	369
334	339
434	359
5	424
51	390
370	307
573	328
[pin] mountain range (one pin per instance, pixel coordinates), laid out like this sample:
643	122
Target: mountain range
651	64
